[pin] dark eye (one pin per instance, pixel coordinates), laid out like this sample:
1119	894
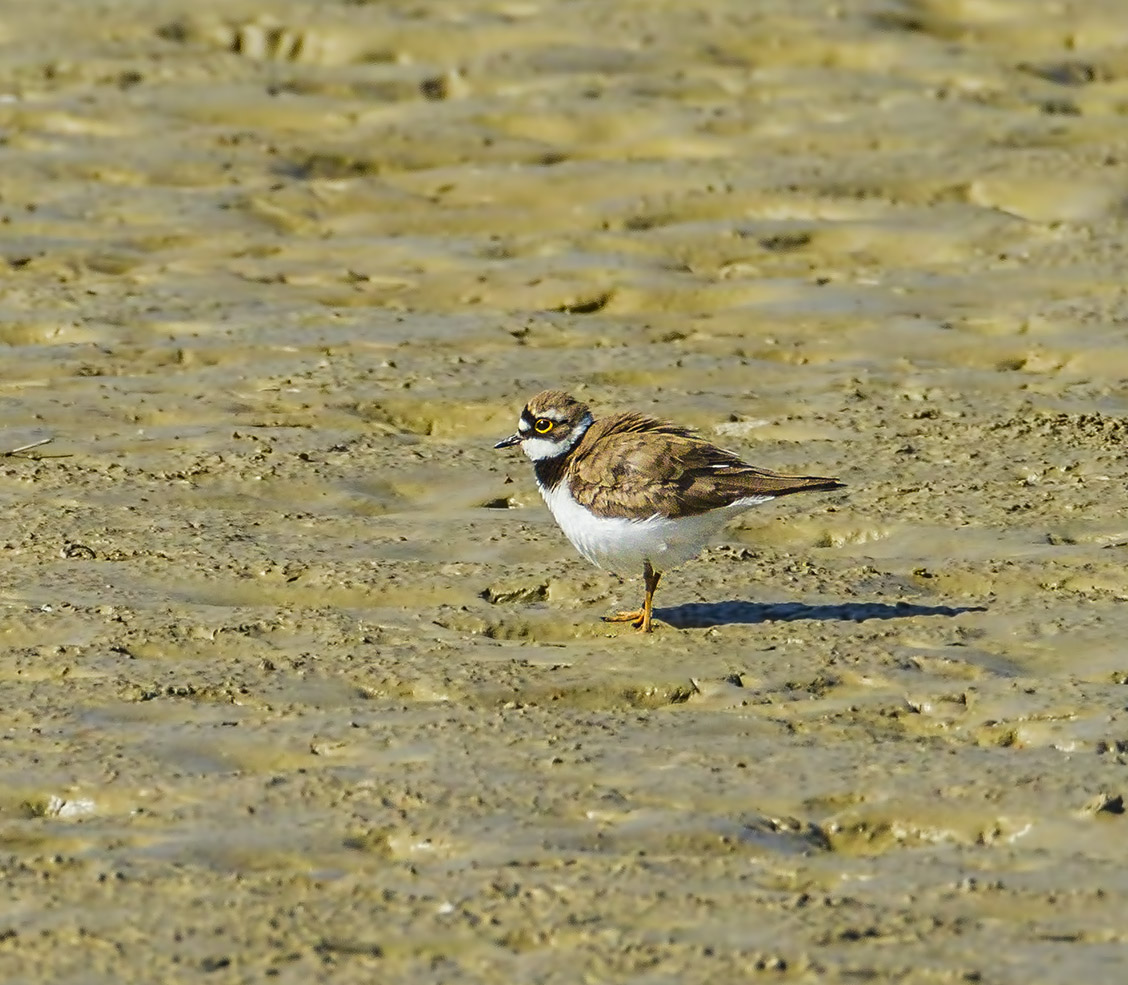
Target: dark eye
542	425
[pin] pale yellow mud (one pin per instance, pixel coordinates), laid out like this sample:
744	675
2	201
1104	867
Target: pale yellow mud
301	683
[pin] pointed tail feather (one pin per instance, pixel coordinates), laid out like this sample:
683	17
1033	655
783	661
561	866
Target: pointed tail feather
809	483
761	482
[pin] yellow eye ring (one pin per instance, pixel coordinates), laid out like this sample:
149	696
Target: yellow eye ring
542	425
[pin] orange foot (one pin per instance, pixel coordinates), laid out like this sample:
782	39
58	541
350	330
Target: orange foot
639	618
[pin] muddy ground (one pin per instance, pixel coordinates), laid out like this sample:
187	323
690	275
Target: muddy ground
301	682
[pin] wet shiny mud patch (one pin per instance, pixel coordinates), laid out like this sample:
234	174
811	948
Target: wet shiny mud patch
301	681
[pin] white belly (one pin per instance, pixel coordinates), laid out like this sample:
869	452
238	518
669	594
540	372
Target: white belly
623	545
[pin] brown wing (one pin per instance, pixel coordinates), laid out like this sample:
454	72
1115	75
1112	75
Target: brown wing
630	465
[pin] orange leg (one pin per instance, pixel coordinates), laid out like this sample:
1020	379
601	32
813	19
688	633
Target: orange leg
640	618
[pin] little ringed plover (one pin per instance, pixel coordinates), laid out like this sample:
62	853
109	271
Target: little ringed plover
630	491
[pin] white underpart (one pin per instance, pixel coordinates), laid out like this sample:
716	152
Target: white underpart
622	545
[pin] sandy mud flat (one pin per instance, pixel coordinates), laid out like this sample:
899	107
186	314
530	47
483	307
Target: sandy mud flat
300	681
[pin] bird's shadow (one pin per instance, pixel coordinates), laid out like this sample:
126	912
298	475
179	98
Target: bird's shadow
733	611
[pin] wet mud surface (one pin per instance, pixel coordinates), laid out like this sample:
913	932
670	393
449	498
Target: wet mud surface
301	681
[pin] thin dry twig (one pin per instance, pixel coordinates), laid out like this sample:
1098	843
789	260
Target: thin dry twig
27	447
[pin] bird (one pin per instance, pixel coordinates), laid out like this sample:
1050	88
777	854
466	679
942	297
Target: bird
631	491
